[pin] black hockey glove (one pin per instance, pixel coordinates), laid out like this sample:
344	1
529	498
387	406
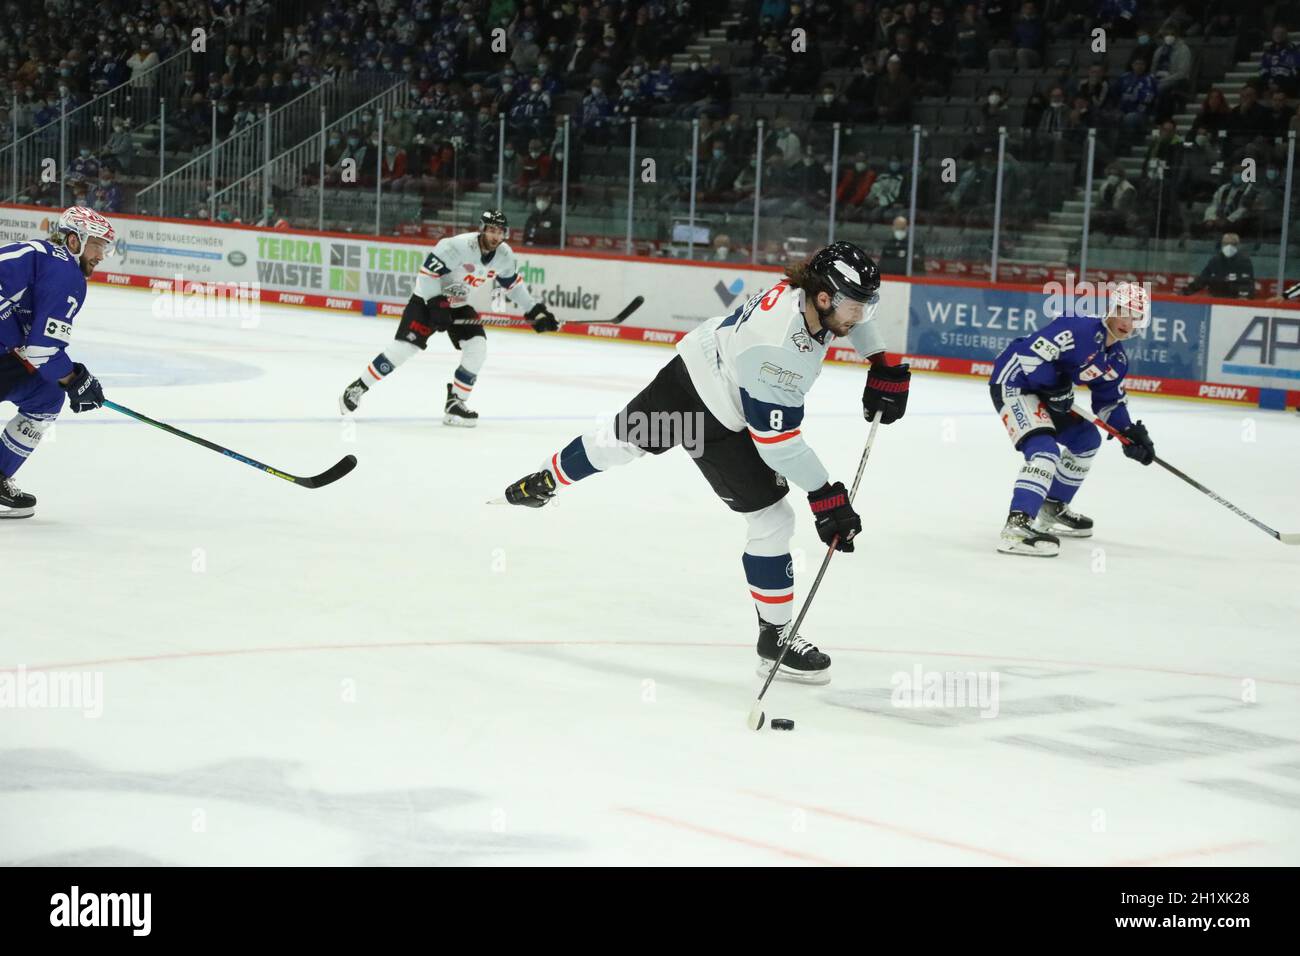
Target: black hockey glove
542	318
886	393
438	311
1060	399
1139	446
84	391
836	520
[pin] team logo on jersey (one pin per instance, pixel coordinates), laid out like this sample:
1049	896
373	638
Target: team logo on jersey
801	340
62	331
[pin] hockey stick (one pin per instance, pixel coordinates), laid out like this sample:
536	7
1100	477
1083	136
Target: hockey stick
329	475
1284	537
756	715
506	320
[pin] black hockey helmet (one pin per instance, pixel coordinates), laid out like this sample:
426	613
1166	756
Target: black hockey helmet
494	217
847	271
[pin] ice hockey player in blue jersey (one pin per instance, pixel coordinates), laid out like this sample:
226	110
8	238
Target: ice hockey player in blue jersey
733	397
42	287
457	266
1032	388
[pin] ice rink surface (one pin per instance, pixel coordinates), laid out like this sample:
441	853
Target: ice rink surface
391	671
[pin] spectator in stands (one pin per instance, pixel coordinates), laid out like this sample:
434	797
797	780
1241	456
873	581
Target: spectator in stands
903	48
661	89
693	86
1231	207
543	225
810	180
1200	168
84	167
784	140
830	108
1137	97
108	194
857	33
861	91
1115	211
1172	68
580	57
1095	88
723	251
1281	60
1028	38
771	68
853	188
630	103
717	176
141	61
1229	273
1159	211
938	31
1250	121
1280	114
1054	127
595	114
537	170
119	151
1117	17
245	118
970	39
933	70
993	112
392	168
894	94
525	50
1215	115
893	254
888	194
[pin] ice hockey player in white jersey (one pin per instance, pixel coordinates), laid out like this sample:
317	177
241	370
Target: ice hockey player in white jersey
457	266
42	290
733	397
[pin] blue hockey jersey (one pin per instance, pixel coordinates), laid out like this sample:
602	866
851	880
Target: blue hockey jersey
1070	348
41	289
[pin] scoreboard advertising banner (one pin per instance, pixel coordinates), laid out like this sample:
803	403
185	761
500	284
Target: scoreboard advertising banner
1225	353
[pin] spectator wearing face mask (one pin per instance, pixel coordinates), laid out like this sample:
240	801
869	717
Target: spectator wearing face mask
853	188
119	151
717	176
530	115
1269	193
1228	274
830	108
1115	210
693	85
144	59
526	50
1200	168
84	167
1232	206
1171	65
893	254
630	103
107	196
722	249
888	194
543	225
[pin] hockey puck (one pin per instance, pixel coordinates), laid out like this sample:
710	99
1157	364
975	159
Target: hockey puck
782	723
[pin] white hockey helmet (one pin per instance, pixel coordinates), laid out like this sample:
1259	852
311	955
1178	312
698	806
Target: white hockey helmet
1132	297
84	223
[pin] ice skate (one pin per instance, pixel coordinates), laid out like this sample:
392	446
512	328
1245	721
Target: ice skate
351	397
456	412
13	502
803	663
1055	517
1020	537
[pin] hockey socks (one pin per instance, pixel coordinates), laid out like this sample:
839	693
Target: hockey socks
771	585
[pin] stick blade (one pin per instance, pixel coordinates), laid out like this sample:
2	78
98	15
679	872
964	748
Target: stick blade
628	310
1289	537
332	474
756	717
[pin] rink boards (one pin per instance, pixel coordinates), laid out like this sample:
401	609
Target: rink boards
1196	348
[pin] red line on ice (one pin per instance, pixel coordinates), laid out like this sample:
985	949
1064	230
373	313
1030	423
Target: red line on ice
894	828
730	837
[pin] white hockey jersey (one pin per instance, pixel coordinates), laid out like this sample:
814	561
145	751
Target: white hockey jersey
753	368
457	266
